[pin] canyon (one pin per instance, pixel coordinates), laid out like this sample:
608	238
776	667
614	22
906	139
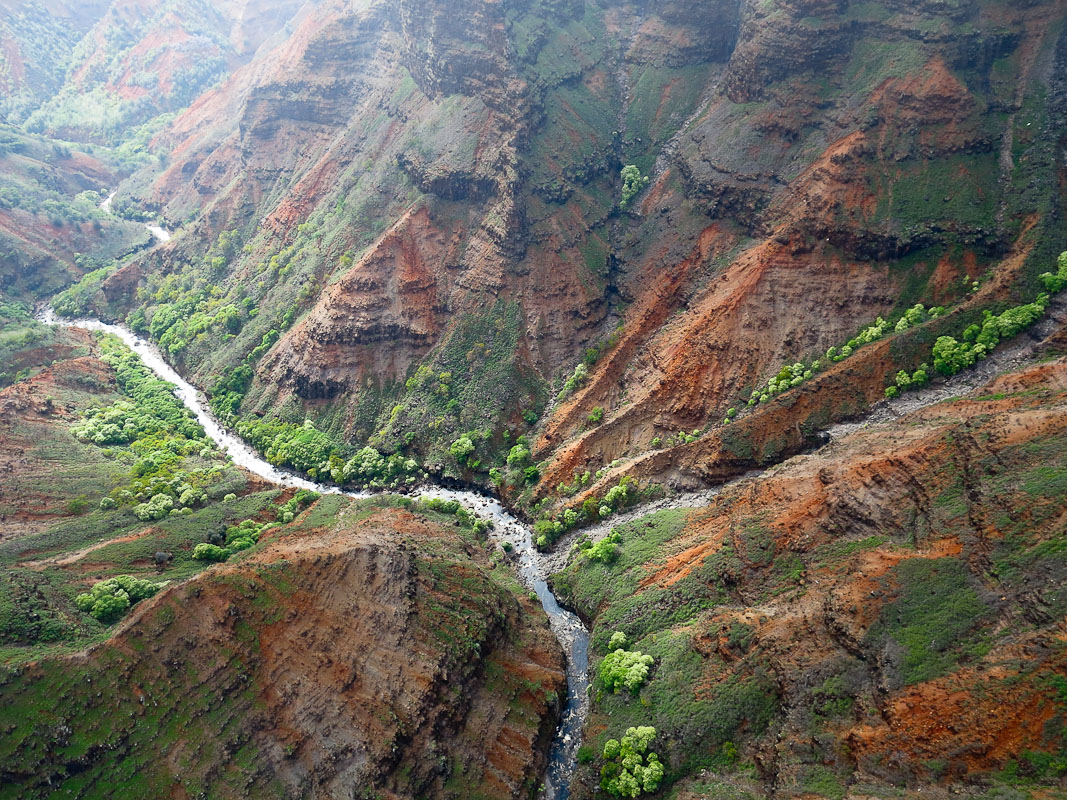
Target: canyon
671	282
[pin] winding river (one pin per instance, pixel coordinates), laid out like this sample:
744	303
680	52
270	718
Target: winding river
572	634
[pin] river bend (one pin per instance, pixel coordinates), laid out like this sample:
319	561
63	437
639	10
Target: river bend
530	564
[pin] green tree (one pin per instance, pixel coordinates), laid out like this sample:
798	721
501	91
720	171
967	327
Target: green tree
624	669
518	456
109	599
210	552
628	771
632	183
462	448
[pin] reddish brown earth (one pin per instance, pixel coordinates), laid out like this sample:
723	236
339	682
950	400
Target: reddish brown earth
34	489
361	644
973	488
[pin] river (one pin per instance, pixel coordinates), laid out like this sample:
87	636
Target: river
159	233
529	563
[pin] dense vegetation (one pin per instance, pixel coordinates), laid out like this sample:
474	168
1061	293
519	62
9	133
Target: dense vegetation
630	769
108	600
173	465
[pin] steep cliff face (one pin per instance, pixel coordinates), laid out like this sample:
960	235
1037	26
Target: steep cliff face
390	171
406	223
844	188
379	651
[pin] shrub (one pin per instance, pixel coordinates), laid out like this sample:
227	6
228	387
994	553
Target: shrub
110	599
952	356
632	184
461	448
519	455
618	639
368	467
596	415
158	507
606	550
628	771
576	380
210	552
1055	282
624	669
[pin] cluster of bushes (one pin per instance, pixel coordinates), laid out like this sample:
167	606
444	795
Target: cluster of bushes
110	599
464	448
1055	282
176	325
157	507
630	769
792	375
155	409
157	489
683	437
237	537
576	380
120	423
632	184
156	433
605	551
370	468
905	380
548	529
246	533
288	510
229	391
520	467
187	307
307	449
286	444
622	668
952	355
580	480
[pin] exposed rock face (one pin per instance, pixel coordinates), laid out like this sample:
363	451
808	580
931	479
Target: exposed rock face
391	170
381	654
423	160
835	182
386	307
